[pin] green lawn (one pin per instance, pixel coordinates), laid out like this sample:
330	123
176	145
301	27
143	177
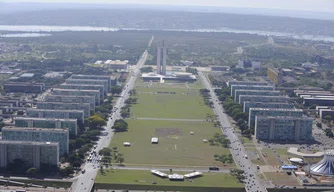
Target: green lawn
176	90
146	178
176	146
170	106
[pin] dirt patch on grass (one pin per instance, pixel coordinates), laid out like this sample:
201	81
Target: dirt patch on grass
168	132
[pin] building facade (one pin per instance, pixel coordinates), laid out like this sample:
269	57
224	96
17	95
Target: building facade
46	123
117	64
239	92
287	129
250	87
249	104
259	83
84	87
32	153
318	101
112	81
253	112
260	98
57	114
24	87
275	75
77	92
66	106
60	136
72	99
105	83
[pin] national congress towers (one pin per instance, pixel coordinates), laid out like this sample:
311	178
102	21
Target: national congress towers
161	59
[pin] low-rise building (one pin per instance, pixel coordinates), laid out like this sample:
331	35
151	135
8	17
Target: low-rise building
251	87
249	104
57	114
60	136
47	123
20	87
240	92
77	92
117	64
34	154
253	112
260	98
323	113
71	99
66	106
287	129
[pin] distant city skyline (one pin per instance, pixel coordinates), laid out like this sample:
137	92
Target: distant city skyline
301	5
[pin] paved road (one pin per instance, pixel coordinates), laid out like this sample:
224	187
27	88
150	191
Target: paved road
174	169
168	119
84	182
252	183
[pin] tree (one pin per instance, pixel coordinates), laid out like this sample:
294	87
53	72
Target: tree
116	90
32	171
120	126
96	122
319	125
120	159
328	118
105	152
329	133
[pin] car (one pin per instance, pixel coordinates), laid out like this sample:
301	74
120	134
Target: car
214	168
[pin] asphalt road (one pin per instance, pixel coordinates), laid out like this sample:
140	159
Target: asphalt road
166	170
252	182
84	182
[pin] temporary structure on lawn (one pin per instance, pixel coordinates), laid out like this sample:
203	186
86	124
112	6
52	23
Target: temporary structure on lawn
176	177
127	144
159	173
154	140
193	174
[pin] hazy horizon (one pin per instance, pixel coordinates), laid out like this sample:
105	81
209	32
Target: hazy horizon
300	5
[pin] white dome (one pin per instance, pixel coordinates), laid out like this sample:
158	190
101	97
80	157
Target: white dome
296	160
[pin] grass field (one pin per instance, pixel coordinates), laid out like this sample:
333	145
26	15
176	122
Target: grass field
176	146
271	157
282	179
146	178
170	106
176	90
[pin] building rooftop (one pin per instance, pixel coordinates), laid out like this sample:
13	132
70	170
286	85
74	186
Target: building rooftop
27	75
76	90
83	85
284	117
54	110
319	98
13	128
75	96
28	143
62	103
85	80
275	109
44	119
116	62
79	75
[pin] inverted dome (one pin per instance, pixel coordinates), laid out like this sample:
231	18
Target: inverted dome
325	166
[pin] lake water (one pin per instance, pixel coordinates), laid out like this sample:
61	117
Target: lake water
45	28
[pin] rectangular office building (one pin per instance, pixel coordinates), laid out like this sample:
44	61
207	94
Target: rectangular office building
71	99
60	136
90	82
249	104
33	153
254	92
84	87
66	106
112	81
287	129
319	101
23	87
250	87
230	83
77	92
32	122
57	114
253	112
259	98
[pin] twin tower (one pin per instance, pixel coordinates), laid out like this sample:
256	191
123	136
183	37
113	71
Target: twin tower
161	59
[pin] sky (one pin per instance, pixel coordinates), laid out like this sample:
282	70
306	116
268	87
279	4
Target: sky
302	5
